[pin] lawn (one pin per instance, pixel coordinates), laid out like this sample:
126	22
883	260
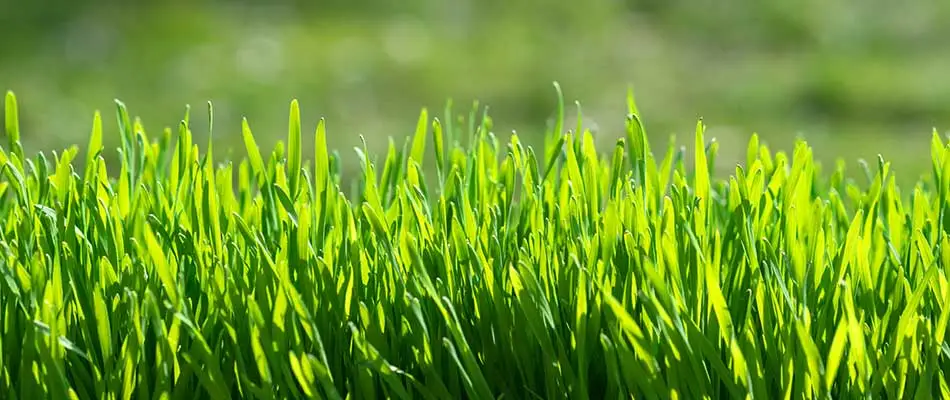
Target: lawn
460	264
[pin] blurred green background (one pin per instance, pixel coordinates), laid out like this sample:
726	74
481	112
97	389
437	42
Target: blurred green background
855	78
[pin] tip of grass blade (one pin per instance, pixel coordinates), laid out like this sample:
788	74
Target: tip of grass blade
12	123
293	147
187	118
210	120
559	122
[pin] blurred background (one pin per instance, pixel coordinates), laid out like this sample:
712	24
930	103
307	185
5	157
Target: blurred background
854	78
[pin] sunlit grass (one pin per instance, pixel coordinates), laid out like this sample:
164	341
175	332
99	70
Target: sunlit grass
503	270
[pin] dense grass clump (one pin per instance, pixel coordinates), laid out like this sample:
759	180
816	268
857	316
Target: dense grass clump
501	271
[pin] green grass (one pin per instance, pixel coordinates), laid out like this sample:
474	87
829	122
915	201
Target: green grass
461	266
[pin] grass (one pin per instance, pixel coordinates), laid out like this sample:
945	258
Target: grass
464	267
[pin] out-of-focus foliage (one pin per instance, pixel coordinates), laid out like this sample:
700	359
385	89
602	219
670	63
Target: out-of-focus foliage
862	77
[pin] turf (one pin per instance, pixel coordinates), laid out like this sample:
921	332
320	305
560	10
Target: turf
463	266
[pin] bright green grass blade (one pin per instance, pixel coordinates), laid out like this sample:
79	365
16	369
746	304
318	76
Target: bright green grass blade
702	185
639	147
253	152
571	163
633	332
209	373
12	124
260	359
419	138
813	361
305	379
727	332
166	271
95	144
321	162
835	354
103	327
293	148
558	130
127	136
438	140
